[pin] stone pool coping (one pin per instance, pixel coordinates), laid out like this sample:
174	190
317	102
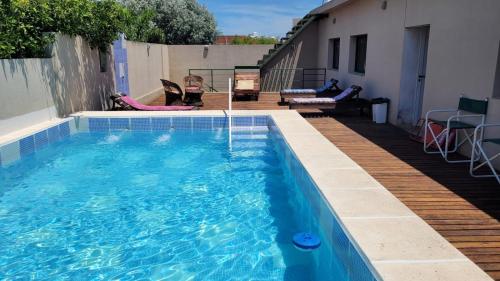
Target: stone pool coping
398	243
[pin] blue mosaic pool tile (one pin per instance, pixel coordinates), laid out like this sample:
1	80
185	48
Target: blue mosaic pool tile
140	124
98	124
358	270
203	123
54	134
260	121
182	123
27	146
220	122
119	123
64	130
242	121
341	242
41	139
270	123
161	124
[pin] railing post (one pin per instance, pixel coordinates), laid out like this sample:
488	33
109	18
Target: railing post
211	80
281	79
303	78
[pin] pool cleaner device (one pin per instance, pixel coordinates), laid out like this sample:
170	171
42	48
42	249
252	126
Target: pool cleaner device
306	241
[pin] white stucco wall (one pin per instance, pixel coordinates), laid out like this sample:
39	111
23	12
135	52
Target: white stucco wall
147	64
384	52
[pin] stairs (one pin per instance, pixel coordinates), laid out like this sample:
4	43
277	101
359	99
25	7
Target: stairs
285	41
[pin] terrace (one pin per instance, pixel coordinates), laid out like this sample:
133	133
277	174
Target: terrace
222	194
462	209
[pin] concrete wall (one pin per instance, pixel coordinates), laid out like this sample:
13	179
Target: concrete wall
301	52
147	64
185	57
37	90
463	49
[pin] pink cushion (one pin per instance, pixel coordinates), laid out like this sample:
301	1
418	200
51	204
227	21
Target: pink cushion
137	105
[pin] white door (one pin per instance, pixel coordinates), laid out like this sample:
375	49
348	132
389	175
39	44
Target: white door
423	41
413	73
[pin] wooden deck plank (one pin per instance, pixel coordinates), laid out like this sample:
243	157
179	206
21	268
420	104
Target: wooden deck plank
463	209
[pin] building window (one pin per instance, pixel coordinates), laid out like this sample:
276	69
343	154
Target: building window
496	86
334	53
359	43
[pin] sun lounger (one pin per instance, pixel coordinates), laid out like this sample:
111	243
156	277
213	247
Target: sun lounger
326	103
247	85
330	89
128	103
193	90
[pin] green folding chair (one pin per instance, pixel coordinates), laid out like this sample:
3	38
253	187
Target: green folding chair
479	148
457	122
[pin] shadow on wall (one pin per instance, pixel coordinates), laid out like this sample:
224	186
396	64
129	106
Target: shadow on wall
79	82
70	81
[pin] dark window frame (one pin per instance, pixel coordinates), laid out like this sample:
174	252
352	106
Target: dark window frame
335	62
360	50
496	81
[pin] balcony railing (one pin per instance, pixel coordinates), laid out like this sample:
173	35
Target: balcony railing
272	80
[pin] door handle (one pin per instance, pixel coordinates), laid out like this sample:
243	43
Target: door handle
421	76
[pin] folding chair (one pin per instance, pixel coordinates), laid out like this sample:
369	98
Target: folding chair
455	123
479	142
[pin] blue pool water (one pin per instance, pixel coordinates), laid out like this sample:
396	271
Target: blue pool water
171	205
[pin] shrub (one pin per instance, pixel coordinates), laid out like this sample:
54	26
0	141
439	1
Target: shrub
27	27
247	40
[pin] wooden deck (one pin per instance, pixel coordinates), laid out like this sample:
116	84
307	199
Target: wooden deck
462	209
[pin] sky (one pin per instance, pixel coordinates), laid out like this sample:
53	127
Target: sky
266	17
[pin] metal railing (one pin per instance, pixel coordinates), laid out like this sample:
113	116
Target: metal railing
214	79
272	80
276	79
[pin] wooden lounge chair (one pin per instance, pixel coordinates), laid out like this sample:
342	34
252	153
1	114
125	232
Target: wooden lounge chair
128	103
173	93
330	89
247	85
348	98
193	89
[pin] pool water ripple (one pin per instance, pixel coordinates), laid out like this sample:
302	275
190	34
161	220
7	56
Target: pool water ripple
152	206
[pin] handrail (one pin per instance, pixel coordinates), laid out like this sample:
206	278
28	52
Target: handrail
273	79
210	83
276	79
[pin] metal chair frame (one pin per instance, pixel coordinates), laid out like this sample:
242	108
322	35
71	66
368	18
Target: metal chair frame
478	148
468	136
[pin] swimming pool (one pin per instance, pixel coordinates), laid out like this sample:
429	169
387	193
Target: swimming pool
167	198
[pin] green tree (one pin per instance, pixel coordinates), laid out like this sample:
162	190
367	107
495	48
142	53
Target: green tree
181	21
141	27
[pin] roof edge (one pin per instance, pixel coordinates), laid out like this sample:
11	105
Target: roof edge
328	6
